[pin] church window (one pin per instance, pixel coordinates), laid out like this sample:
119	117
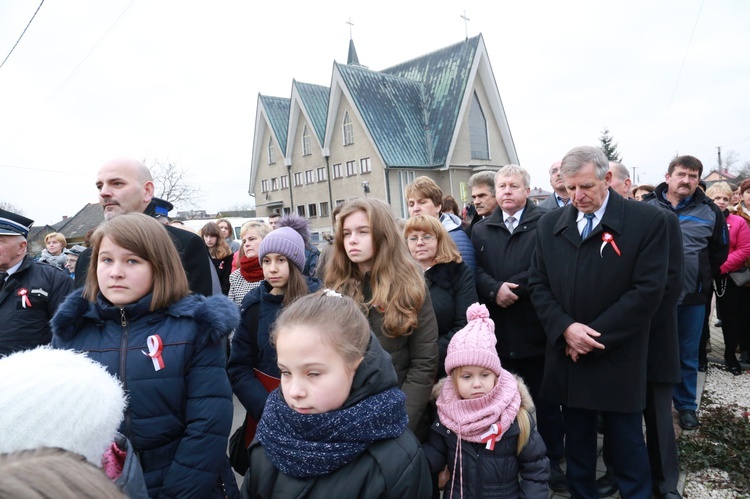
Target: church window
480	148
348	131
306	150
271	152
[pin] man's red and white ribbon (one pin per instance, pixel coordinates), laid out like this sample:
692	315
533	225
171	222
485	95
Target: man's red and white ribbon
24	294
491	436
155	346
608	238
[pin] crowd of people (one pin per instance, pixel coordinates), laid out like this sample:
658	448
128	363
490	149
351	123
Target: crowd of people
472	354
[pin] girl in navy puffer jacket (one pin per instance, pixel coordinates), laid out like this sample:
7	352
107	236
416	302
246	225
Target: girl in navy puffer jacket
136	317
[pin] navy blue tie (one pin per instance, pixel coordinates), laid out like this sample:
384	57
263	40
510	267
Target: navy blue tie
589	225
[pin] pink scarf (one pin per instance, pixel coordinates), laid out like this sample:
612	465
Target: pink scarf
470	418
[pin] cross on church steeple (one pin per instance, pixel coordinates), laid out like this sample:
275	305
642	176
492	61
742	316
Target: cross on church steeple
350	23
466	24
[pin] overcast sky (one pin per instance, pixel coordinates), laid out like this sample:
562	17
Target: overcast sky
178	81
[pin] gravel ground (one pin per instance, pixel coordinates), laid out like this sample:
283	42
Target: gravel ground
722	388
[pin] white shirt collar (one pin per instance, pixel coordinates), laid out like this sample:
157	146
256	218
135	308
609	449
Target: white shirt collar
517	215
598	214
12	270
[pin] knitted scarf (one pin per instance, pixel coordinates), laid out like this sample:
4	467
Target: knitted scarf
250	269
470	418
56	260
311	445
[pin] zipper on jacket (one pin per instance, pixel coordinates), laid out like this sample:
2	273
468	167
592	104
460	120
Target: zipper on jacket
123	374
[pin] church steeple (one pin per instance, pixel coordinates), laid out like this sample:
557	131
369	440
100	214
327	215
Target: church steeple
352	59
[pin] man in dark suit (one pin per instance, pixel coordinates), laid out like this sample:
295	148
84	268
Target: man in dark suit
503	244
126	186
559	197
597	278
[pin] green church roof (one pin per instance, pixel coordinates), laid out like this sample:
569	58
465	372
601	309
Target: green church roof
315	100
444	75
392	109
277	110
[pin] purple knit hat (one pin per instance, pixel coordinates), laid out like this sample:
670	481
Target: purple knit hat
474	345
284	241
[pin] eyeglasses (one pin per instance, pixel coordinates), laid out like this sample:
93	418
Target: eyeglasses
425	239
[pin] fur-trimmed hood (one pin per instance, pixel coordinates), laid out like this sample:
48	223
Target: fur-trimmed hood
526	401
216	316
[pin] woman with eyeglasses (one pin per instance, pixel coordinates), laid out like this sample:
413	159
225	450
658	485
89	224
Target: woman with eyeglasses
449	279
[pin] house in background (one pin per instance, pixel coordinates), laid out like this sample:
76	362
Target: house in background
372	132
716	176
537	195
73	228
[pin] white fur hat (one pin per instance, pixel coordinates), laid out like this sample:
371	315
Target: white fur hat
58	398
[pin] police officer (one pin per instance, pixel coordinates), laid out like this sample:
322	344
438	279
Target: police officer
30	291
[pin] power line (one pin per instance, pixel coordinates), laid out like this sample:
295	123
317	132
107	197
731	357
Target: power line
67	78
28	168
737	143
19	38
684	58
96	45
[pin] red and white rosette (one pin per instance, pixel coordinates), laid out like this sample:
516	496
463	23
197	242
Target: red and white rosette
491	436
155	346
608	238
24	294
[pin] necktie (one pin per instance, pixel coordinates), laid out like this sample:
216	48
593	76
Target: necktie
589	225
509	223
565	201
3	275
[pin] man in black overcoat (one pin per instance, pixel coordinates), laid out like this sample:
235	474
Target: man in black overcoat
597	278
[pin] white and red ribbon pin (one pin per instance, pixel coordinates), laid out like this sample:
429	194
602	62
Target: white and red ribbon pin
24	294
491	436
607	238
155	346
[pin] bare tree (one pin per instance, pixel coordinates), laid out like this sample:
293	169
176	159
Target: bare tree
730	159
743	172
4	205
171	181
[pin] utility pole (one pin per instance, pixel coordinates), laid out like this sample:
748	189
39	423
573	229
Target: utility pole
718	149
634	168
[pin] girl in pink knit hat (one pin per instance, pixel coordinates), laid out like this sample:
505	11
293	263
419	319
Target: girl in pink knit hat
484	431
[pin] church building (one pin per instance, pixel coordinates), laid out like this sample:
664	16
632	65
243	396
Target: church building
370	133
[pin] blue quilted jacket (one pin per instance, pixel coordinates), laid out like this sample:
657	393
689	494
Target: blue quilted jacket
178	418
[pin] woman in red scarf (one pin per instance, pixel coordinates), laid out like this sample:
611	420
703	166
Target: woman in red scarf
250	273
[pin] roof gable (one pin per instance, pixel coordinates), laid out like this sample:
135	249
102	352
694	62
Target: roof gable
392	110
89	217
277	113
315	101
444	75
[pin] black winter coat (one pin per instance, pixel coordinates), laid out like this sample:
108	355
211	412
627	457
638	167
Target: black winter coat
615	294
22	328
178	418
505	257
484	473
393	468
452	290
663	344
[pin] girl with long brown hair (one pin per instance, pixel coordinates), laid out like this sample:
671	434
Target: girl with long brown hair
371	263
